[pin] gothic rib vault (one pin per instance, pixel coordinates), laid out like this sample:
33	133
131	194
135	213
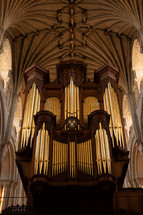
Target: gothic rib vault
95	32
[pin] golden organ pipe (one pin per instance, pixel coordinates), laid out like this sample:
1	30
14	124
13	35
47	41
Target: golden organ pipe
45	158
75	109
26	125
81	154
77	102
41	149
65	102
80	151
99	148
88	158
86	153
106	147
37	149
60	157
30	113
53	161
91	161
68	100
102	146
55	166
112	111
72	101
97	153
24	122
119	118
34	112
111	120
29	108
78	155
108	152
57	158
32	106
84	156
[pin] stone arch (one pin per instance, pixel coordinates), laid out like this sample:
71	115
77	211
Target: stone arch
137	63
10	179
127	117
5	62
18	118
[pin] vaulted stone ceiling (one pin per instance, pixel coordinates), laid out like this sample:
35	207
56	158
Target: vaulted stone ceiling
46	32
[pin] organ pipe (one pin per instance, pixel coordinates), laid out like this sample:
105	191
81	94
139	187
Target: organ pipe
53	105
84	157
60	158
102	151
112	107
72	159
71	100
41	160
31	108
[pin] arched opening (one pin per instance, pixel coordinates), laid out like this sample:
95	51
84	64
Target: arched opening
127	117
137	63
18	118
5	63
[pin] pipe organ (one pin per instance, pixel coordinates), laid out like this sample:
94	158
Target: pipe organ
72	130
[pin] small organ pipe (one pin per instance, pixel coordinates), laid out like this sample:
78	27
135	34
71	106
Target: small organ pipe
37	150
34	112
45	158
77	102
65	102
75	99
68	100
98	152
103	146
72	98
108	110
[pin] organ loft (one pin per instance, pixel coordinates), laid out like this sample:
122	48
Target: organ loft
72	155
